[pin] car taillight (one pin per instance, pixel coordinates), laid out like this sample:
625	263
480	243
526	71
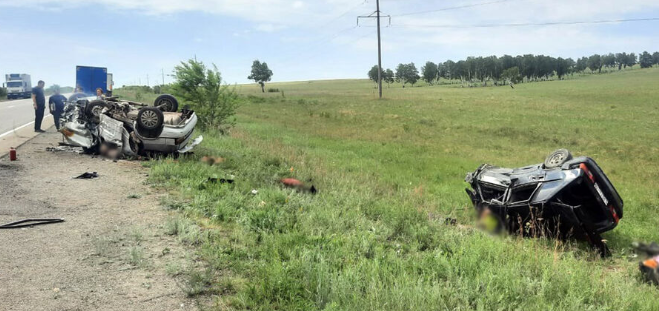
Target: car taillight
584	168
615	215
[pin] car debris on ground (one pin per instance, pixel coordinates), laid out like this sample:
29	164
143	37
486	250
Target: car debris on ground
87	175
116	128
650	266
298	185
564	197
30	223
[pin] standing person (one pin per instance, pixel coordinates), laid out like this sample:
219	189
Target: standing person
56	106
99	93
39	104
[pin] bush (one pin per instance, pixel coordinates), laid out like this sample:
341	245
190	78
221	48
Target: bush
202	88
3	92
273	90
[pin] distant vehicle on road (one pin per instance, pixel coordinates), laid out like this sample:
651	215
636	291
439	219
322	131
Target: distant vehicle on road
18	85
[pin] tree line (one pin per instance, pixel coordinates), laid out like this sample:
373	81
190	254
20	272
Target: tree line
515	69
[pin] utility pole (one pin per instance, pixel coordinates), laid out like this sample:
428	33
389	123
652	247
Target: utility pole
147	80
163	76
377	15
379	51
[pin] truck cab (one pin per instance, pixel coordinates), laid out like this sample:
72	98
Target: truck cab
18	86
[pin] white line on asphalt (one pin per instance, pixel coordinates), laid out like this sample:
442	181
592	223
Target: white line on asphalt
18	128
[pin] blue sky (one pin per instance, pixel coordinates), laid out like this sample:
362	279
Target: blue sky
300	40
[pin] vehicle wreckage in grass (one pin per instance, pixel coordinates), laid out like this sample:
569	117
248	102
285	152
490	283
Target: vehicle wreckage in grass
562	197
118	128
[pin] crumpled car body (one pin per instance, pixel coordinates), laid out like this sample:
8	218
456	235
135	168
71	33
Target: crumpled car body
111	128
575	199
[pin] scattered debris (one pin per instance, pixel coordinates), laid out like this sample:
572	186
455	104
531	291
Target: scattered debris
87	175
563	197
451	222
212	160
215	180
64	148
298	185
30	222
649	267
255	192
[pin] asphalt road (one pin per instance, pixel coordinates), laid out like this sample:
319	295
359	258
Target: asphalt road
17	113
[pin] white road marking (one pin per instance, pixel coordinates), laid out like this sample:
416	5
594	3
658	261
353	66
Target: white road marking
20	127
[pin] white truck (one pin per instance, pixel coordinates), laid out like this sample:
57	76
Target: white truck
18	85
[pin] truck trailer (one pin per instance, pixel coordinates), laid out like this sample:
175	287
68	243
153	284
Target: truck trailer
88	79
18	85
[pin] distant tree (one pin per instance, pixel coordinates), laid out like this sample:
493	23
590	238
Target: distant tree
571	64
609	60
449	67
512	75
645	60
373	74
260	73
595	62
202	88
621	60
51	89
562	67
630	60
388	77
582	64
3	92
655	58
430	72
407	73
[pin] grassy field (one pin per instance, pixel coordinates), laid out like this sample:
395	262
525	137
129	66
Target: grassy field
389	172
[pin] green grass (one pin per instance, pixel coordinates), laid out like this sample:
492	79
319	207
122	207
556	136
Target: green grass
389	172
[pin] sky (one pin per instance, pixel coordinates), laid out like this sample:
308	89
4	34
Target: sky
141	41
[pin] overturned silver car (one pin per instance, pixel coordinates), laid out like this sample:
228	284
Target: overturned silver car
116	128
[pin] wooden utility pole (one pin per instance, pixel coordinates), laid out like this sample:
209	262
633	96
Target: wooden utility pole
379	52
163	76
377	16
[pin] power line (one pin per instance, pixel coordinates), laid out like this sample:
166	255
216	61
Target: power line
342	14
533	24
455	7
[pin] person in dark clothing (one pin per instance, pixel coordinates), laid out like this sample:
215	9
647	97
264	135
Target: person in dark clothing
56	106
39	104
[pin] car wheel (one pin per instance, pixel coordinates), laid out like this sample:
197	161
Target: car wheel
166	103
558	158
150	118
94	109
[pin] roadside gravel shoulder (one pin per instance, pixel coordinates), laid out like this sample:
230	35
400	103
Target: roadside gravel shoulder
111	253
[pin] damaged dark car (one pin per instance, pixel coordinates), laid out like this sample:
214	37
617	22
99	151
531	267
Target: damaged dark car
564	197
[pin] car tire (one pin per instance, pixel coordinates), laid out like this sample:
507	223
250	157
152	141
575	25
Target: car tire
94	109
150	118
558	158
167	103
